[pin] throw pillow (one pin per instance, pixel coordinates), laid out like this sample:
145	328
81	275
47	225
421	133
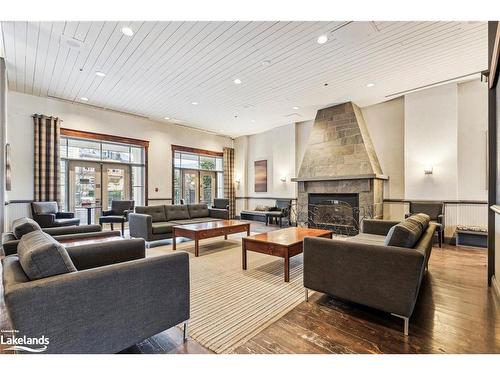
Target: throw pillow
23	226
42	256
405	234
420	219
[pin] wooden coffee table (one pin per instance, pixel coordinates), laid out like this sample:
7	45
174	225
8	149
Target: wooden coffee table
210	229
283	243
89	240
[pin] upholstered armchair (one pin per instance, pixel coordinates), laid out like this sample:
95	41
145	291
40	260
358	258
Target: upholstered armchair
118	214
435	210
47	215
220	208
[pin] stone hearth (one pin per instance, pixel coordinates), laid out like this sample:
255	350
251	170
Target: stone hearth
340	158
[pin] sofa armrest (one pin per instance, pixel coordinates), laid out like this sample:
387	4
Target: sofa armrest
105	309
218	213
65	215
72	229
45	220
105	253
9	244
140	225
378	227
383	277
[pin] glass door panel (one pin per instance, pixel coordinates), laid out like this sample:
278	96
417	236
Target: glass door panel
116	183
207	187
190	186
84	188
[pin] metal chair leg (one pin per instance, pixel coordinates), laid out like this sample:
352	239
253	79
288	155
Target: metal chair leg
185	331
406	322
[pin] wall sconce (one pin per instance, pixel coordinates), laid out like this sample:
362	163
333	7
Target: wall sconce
428	169
283	178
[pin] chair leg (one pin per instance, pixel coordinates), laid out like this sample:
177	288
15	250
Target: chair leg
123	229
406	322
112	226
185	331
306	295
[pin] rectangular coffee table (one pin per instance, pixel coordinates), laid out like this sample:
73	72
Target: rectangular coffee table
89	240
283	243
210	229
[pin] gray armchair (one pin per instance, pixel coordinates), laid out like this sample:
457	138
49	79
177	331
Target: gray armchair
435	210
47	215
220	208
118	214
115	298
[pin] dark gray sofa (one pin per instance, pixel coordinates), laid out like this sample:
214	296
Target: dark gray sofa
369	270
21	226
96	298
154	223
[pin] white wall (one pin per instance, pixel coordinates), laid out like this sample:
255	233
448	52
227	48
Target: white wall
160	135
385	123
472	141
446	127
277	146
431	122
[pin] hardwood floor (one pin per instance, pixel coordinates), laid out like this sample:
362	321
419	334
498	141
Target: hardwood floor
456	313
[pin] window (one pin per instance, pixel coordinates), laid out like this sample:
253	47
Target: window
197	178
120	169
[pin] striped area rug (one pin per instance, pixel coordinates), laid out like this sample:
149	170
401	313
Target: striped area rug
229	305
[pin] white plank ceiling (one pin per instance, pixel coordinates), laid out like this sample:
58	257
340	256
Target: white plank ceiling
166	66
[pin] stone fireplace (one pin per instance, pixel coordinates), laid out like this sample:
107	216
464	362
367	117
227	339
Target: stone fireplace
340	161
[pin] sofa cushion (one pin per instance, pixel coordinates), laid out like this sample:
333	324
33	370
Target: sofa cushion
44	207
23	226
404	234
162	227
42	256
368	239
198	210
157	213
420	219
177	212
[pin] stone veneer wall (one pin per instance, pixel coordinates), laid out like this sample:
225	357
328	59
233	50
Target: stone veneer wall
370	193
339	145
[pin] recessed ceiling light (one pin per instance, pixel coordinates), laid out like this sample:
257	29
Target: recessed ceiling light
85	99
100	74
253	120
322	39
266	62
237	81
370	84
127	31
166	118
194	103
295	107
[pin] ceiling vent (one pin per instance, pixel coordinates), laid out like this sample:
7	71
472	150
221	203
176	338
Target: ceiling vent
71	42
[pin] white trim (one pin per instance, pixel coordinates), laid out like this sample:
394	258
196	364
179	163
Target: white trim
495	285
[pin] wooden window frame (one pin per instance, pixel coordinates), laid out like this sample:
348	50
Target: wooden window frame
192	150
117	139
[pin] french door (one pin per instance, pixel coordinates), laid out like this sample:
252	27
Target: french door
94	184
198	186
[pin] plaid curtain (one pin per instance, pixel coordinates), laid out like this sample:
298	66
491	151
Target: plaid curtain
47	159
229	190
